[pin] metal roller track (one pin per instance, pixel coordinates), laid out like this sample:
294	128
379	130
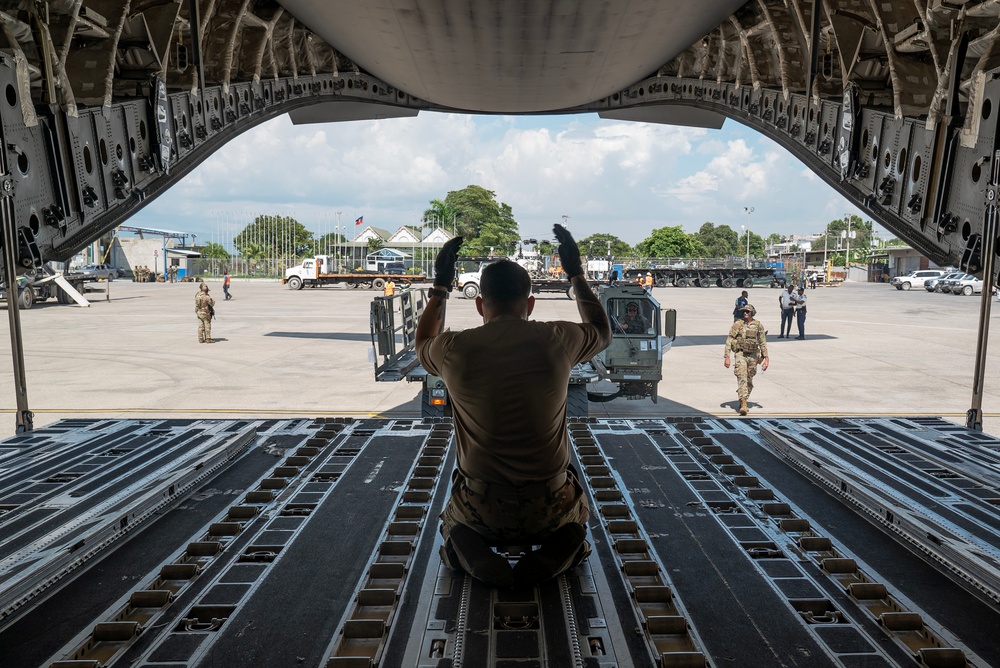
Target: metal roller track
564	623
231	538
58	517
710	548
951	513
837	609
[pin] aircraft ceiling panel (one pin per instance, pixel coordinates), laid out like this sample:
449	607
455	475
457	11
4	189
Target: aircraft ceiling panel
514	56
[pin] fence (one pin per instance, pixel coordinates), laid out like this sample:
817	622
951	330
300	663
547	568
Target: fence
240	267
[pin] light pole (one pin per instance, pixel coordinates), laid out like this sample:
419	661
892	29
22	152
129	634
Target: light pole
847	257
749	210
826	245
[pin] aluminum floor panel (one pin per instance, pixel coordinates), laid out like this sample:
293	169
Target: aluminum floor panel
736	613
975	622
38	634
705	494
294	612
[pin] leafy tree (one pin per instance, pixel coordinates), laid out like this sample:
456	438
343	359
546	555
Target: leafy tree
596	245
325	244
214	251
254	251
774	238
757	248
441	214
284	235
669	242
718	241
863	234
375	244
483	221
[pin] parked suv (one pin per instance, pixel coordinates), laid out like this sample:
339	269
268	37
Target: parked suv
100	271
916	279
933	284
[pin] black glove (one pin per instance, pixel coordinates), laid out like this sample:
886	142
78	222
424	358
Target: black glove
569	252
444	265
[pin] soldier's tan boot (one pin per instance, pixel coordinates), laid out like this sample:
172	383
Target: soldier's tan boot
743	407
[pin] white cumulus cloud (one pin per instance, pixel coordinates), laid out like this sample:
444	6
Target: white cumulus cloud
606	176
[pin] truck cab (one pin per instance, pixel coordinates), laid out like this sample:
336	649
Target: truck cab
639	338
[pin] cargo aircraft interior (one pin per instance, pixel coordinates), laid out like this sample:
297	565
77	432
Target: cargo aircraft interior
826	541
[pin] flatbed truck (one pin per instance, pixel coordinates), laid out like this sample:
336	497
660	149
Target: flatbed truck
723	277
318	271
42	285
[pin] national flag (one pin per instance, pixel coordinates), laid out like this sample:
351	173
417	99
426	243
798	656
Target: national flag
359	220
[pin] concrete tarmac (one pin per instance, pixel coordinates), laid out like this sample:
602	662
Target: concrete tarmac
869	350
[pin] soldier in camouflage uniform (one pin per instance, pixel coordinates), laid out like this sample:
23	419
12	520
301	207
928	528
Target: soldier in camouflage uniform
747	341
204	308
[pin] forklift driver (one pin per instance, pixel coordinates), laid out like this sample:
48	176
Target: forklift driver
508	381
633	322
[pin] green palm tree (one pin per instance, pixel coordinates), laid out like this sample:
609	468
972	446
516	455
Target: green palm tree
440	213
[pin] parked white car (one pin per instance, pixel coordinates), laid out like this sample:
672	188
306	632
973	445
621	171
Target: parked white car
967	285
916	279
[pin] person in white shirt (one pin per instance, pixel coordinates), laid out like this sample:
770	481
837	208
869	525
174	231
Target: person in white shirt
787	304
799	301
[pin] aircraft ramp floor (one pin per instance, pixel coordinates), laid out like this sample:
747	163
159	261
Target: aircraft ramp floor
856	542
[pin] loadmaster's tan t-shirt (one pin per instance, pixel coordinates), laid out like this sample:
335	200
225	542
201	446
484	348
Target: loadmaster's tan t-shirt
507	385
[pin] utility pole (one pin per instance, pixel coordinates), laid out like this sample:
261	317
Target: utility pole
847	258
826	245
337	259
749	210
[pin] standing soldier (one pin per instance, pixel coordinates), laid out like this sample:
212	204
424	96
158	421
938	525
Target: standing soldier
748	342
204	308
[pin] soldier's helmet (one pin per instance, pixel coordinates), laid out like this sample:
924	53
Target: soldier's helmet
204	287
750	308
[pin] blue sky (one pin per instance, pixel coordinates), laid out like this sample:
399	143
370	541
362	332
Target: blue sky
606	176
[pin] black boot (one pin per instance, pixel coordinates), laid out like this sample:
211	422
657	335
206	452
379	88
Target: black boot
565	548
477	559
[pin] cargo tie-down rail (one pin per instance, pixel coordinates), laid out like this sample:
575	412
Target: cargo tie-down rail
834	542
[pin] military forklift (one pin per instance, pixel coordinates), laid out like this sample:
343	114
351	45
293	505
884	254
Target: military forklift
631	367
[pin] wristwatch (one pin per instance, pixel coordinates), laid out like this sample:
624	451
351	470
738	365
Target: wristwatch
437	292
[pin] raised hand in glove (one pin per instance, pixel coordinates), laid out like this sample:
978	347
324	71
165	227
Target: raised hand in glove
444	265
569	252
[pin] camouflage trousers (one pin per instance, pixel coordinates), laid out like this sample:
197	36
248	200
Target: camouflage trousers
503	518
745	368
204	326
